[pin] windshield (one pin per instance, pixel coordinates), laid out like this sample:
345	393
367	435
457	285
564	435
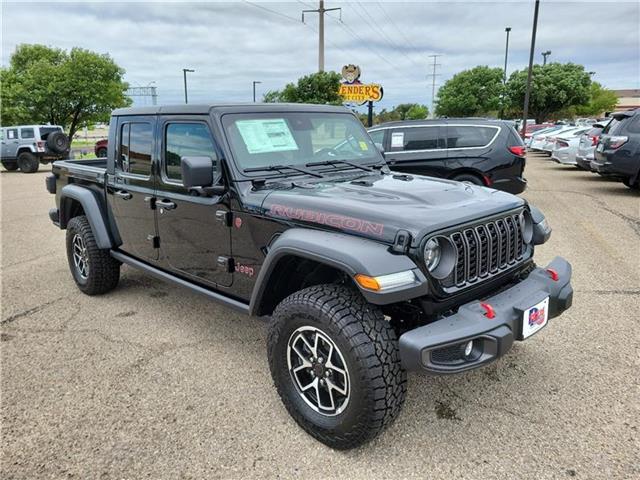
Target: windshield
295	138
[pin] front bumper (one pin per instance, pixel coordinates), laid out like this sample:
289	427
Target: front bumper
436	348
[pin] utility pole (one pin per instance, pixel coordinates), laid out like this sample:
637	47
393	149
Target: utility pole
321	11
504	75
433	82
254	90
544	56
525	112
184	73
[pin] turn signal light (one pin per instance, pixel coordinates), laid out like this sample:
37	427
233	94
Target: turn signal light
370	283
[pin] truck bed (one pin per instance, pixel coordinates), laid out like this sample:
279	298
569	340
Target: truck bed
91	170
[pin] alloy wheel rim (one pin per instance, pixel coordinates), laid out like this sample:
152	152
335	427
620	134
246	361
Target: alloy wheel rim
318	371
80	256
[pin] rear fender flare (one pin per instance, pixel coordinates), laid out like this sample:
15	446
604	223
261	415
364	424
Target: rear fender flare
92	209
349	254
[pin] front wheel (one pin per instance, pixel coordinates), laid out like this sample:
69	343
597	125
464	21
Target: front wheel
93	269
335	362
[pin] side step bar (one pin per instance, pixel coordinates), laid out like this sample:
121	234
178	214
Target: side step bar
162	275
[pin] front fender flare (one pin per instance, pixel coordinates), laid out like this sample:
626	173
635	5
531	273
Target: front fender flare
92	209
350	254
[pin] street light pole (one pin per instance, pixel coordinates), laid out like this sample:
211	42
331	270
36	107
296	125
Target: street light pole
504	75
544	56
254	90
525	112
184	74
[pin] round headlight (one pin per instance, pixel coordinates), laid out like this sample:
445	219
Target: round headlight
432	254
526	226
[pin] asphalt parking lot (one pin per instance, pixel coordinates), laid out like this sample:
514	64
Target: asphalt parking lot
154	381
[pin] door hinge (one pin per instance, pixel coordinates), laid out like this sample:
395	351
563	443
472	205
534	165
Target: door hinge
225	217
226	263
155	240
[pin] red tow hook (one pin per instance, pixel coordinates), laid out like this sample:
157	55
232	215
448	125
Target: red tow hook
553	274
489	312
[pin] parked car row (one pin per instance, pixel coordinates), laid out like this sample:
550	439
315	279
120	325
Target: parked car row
610	147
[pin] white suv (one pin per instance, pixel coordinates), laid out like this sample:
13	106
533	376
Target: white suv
25	146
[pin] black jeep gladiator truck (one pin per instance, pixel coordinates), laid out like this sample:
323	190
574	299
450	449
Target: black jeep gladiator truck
290	212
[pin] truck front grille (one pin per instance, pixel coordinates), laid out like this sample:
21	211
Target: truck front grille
486	249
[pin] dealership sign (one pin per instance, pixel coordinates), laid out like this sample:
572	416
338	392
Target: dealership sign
352	90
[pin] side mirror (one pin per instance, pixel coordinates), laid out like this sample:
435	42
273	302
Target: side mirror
198	173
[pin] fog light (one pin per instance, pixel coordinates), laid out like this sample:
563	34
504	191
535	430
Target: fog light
468	349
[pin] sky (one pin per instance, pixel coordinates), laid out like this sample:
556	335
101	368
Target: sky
232	44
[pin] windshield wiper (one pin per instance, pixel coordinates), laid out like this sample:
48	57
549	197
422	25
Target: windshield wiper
269	168
335	162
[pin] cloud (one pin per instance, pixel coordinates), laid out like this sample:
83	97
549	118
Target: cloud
230	44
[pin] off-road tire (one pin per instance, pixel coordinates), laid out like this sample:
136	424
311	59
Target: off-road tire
470	178
10	166
104	270
28	162
369	346
102	153
58	142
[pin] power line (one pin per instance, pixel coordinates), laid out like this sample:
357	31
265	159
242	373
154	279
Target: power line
378	29
284	15
395	25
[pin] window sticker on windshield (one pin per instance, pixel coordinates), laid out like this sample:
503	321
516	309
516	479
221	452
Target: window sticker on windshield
397	140
363	146
266	136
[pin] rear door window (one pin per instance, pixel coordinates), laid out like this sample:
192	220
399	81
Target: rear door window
469	136
410	139
27	133
12	133
634	124
185	140
136	140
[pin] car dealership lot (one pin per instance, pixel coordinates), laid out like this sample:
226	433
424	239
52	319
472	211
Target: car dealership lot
152	380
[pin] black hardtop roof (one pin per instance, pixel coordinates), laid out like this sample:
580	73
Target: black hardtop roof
205	109
443	121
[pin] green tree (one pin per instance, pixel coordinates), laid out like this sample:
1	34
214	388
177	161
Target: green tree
50	85
473	92
321	87
600	100
417	112
555	87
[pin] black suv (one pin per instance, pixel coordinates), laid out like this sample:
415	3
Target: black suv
618	151
479	151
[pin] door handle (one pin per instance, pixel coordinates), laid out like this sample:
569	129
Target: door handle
123	194
166	204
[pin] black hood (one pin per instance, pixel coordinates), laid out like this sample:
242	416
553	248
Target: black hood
378	205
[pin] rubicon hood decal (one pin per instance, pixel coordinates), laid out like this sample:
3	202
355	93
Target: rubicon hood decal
331	219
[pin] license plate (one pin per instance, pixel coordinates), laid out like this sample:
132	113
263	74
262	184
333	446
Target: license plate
535	318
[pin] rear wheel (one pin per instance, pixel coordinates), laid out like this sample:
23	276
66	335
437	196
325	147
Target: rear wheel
10	166
93	269
28	162
469	178
335	362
